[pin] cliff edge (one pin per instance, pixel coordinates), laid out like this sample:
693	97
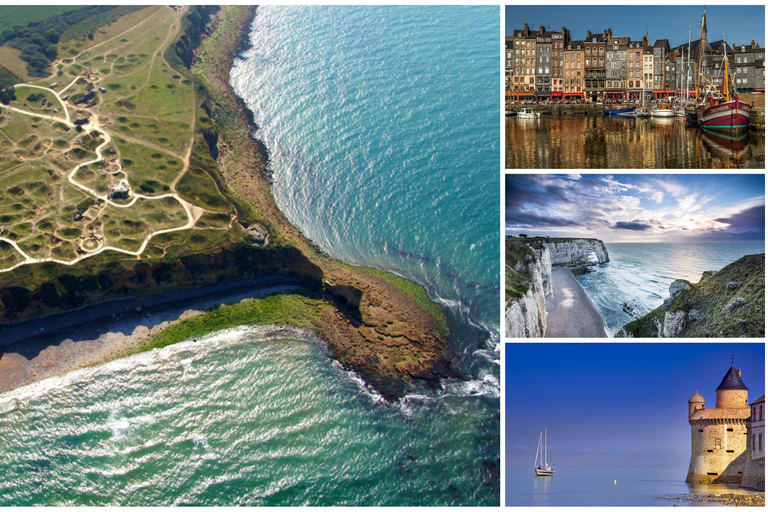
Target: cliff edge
729	303
528	277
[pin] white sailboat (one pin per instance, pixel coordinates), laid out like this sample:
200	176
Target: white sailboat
540	465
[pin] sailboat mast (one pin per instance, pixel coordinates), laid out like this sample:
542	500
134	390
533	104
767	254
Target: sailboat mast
687	70
701	51
537	452
545	449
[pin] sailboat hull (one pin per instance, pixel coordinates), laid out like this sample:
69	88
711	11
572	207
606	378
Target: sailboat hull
544	472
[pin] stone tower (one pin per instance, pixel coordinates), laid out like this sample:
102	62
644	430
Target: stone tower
719	435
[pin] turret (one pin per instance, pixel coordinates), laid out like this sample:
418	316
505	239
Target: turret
732	393
695	402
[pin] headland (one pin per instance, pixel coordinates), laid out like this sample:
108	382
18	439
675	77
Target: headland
377	324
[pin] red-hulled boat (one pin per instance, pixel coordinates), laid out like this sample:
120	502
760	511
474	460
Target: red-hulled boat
725	116
725	113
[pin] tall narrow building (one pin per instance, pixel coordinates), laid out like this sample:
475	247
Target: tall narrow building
719	435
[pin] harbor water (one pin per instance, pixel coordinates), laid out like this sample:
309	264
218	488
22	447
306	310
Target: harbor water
595	487
597	142
636	279
379	122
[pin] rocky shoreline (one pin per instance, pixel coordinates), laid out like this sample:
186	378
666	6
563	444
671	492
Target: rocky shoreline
381	326
732	499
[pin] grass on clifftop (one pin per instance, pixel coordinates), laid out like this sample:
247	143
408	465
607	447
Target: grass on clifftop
293	310
711	298
516	250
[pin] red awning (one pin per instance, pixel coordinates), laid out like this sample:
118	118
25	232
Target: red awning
573	94
760	89
556	94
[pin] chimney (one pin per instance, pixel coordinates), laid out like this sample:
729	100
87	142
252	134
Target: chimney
527	30
589	34
541	29
739	372
753	44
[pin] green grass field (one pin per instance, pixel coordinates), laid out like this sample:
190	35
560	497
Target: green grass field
147	118
15	15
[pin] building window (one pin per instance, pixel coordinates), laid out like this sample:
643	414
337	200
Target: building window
759	442
718	444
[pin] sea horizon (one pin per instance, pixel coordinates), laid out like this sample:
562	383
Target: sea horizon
634	282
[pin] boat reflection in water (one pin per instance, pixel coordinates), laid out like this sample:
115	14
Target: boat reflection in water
597	142
733	149
542	487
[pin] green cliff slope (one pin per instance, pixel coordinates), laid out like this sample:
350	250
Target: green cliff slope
728	303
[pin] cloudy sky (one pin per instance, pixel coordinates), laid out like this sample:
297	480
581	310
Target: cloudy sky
638	208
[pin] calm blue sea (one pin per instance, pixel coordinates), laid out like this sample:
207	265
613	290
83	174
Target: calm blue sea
638	276
382	125
594	487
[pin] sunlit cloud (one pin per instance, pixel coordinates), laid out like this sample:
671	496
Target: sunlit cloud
638	208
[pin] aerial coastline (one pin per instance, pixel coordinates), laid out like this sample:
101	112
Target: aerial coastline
380	325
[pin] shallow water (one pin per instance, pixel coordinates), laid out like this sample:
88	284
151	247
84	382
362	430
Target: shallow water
252	416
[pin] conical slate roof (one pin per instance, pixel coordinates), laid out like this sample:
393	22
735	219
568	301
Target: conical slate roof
732	380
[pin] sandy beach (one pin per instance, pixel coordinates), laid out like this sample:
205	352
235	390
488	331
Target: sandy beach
55	345
570	314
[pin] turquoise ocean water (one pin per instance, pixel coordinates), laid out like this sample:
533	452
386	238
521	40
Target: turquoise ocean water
382	123
638	276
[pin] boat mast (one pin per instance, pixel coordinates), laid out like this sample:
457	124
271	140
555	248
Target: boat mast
726	88
701	51
537	452
687	70
545	449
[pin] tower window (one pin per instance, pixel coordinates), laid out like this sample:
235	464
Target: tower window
712	474
709	451
729	430
728	451
700	430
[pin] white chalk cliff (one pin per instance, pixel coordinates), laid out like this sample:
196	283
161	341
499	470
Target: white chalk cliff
577	251
526	317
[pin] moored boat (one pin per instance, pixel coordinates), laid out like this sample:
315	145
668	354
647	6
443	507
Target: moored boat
725	116
662	110
621	111
642	112
528	113
725	112
540	465
692	114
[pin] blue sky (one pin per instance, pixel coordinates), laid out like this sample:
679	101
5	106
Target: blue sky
620	405
638	207
741	23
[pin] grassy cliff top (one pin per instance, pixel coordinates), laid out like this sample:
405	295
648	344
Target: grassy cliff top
517	250
717	299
